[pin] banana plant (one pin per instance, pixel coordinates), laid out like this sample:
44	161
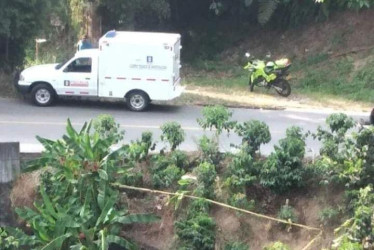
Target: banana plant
79	208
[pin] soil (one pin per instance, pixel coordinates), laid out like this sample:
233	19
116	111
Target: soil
236	226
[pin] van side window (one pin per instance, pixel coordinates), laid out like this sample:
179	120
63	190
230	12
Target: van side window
80	65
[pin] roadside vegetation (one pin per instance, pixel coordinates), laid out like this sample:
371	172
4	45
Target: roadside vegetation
89	194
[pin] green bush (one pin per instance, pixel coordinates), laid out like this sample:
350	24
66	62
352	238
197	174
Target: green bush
333	138
242	171
165	172
359	227
107	128
172	133
8	242
139	149
283	169
180	159
329	216
287	213
168	169
216	117
253	133
210	150
206	176
240	200
197	232
167	177
348	160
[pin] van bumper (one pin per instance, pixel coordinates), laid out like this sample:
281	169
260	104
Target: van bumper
178	90
22	88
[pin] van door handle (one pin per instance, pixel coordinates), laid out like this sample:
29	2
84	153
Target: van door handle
87	78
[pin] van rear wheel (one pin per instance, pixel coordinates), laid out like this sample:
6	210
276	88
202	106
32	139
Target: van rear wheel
43	95
137	101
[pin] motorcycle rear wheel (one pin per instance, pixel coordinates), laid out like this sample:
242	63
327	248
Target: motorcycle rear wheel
282	87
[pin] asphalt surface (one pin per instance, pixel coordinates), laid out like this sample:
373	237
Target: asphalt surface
21	121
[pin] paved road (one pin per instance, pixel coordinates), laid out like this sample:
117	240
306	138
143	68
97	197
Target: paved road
21	121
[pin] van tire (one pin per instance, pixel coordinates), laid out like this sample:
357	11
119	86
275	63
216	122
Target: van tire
43	95
137	101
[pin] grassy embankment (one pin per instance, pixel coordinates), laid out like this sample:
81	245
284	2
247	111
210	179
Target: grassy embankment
317	79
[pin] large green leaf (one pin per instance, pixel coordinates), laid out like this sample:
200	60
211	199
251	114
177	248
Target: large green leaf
56	243
121	242
104	244
108	206
47	202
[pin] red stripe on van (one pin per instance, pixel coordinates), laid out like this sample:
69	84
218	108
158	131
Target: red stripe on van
83	93
151	79
121	78
165	80
69	92
108	77
136	79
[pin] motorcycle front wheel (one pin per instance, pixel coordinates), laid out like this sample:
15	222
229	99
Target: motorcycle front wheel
282	87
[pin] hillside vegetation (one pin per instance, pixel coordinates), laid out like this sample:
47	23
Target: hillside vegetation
82	194
332	60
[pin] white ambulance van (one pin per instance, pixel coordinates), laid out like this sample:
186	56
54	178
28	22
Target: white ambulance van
138	67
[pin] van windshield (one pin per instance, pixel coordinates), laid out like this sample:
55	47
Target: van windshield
58	66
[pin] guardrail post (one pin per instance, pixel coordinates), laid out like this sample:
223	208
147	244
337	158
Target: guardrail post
9	170
9	161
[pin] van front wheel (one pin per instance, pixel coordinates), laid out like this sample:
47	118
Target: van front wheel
137	101
43	95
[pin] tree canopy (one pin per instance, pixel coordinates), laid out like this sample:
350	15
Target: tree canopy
202	22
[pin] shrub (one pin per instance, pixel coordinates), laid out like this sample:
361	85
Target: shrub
139	149
332	139
206	175
168	169
180	159
359	227
242	171
198	206
167	177
283	169
347	160
287	213
236	246
253	133
210	150
240	200
107	128
173	133
216	117
329	216
8	242
197	232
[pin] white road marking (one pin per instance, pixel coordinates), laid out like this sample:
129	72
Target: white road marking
81	124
